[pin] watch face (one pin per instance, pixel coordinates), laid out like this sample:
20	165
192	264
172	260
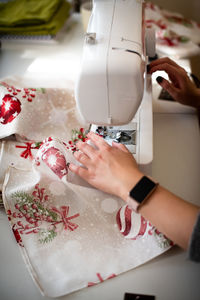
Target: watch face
142	189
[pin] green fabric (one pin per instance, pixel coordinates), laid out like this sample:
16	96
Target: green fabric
33	17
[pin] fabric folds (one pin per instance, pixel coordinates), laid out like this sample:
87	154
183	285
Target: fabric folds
70	235
33	17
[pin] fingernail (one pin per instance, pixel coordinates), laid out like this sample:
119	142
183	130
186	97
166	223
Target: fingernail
159	79
148	68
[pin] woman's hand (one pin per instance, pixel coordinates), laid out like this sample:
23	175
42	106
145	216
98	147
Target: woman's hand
110	169
114	170
181	88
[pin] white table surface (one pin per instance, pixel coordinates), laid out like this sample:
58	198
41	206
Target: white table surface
176	165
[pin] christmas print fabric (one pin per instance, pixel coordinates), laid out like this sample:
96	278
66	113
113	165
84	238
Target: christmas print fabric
16	154
33	114
71	235
175	35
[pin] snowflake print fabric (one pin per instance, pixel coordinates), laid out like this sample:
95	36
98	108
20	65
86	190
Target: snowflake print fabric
35	113
62	225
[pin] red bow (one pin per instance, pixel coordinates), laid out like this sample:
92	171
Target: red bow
63	212
27	152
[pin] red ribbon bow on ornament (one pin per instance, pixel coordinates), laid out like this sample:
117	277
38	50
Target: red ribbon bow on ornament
27	152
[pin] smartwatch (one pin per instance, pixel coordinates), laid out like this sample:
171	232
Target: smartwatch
141	192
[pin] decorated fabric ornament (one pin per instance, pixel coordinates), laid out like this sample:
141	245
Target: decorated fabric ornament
55	155
9	109
131	224
55	160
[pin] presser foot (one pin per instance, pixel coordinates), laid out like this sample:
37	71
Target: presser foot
126	134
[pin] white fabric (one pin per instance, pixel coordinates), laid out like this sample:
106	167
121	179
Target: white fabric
175	36
68	233
15	154
36	113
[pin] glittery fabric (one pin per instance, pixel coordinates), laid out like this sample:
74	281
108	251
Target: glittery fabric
71	235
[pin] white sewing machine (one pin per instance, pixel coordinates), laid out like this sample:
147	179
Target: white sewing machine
113	90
